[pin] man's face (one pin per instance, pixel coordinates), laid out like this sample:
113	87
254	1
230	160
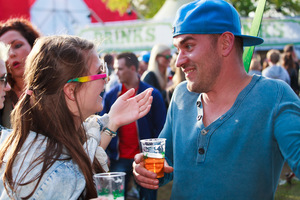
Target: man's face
198	57
124	73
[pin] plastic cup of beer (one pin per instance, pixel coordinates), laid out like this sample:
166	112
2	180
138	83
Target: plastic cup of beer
154	155
110	186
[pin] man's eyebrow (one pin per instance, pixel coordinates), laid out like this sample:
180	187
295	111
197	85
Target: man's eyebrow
187	38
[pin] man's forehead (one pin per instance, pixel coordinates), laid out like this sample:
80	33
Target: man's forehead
180	39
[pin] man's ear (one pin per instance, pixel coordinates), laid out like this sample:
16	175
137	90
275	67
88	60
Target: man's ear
227	43
69	89
132	68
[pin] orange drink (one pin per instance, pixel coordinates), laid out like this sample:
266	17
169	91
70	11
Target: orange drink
155	165
154	155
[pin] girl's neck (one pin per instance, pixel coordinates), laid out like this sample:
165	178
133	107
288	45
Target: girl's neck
19	86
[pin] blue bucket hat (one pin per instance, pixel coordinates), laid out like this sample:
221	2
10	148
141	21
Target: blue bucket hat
210	17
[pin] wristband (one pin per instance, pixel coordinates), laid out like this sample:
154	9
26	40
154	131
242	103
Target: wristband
109	132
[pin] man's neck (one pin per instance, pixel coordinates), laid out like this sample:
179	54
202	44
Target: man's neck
222	97
132	83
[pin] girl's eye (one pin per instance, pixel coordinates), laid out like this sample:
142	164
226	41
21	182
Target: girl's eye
18	46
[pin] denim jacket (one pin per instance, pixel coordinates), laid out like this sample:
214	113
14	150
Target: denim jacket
63	180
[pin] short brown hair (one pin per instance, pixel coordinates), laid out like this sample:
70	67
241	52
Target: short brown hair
23	26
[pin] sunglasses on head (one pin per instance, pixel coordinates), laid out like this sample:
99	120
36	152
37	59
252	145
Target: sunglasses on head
3	80
165	56
102	75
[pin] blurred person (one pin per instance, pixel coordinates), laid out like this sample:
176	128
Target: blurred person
275	70
157	73
143	62
289	64
4	85
255	67
123	148
50	152
113	78
289	48
265	64
20	35
227	133
177	78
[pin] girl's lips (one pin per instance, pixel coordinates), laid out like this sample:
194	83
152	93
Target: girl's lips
16	65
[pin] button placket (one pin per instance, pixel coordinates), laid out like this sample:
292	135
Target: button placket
202	146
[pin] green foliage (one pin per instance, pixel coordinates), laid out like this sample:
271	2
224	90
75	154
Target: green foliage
148	8
117	5
243	7
286	7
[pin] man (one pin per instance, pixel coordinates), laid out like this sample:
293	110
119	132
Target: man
123	148
228	133
274	70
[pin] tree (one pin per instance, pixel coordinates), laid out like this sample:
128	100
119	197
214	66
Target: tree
117	5
285	7
148	8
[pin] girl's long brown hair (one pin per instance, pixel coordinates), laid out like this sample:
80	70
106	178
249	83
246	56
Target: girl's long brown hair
52	62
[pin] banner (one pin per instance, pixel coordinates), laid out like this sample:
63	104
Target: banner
139	35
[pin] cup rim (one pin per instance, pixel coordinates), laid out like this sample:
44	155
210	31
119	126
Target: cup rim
153	140
109	174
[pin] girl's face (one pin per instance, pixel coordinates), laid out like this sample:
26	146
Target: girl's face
88	96
3	87
164	59
18	52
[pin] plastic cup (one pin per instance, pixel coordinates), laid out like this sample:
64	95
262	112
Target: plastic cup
110	186
154	155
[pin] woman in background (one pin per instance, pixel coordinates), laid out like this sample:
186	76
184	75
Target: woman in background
289	64
157	73
20	34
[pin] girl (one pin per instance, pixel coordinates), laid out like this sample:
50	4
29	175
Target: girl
49	154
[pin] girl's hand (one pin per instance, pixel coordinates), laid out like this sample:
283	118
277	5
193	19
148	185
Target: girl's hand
126	110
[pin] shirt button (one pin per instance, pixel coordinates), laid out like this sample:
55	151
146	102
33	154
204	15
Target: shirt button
199	117
198	103
201	151
203	132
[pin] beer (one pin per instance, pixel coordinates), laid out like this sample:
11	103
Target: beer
155	163
154	155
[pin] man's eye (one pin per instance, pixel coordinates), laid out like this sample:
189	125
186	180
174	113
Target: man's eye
188	46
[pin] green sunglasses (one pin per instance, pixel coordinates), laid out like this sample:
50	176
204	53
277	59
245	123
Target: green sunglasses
165	56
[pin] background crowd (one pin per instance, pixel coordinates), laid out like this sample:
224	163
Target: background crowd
129	72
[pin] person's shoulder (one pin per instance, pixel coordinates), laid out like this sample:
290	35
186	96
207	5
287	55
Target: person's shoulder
271	85
113	90
62	180
4	134
145	86
149	75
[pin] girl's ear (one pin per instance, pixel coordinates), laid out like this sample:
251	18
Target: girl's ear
69	89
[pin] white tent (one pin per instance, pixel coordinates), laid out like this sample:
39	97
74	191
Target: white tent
59	16
168	10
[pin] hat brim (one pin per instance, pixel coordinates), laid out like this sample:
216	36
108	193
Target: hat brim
251	40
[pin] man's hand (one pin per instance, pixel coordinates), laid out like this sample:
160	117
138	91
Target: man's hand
145	178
